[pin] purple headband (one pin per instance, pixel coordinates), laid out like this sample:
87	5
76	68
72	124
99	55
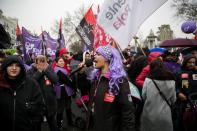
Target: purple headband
105	51
116	69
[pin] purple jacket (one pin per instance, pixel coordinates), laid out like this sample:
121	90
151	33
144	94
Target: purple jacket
172	66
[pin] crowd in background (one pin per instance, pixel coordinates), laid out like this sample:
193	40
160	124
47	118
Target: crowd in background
42	89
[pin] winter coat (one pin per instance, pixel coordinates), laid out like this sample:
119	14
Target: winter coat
142	76
84	76
156	114
47	90
192	78
117	115
21	105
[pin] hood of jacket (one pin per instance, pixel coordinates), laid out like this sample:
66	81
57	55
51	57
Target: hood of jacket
8	61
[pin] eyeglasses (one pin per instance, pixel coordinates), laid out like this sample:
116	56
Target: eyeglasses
40	60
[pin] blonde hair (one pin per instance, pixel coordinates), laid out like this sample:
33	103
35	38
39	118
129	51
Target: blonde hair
40	58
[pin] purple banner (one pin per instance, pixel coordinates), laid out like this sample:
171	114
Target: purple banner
51	44
32	44
40	44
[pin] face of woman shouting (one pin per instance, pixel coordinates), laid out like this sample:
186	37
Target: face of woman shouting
100	61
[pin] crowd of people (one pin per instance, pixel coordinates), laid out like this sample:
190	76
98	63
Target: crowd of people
41	89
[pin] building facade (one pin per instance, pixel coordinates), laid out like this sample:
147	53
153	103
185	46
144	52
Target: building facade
151	40
9	25
165	33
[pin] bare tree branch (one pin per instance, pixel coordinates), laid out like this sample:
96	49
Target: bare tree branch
185	9
70	21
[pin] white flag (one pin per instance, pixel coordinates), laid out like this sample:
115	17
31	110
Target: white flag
122	18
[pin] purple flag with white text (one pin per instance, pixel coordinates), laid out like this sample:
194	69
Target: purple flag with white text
32	44
50	43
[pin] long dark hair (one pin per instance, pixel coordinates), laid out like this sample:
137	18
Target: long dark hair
159	72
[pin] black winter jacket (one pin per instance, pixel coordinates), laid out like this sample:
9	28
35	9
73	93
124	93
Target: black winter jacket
112	116
21	101
47	90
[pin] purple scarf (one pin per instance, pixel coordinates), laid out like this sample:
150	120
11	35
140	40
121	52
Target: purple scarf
68	89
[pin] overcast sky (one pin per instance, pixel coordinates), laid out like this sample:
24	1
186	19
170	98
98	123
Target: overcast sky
33	14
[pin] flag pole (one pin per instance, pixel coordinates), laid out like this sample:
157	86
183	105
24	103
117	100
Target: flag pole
136	42
60	34
23	44
43	44
24	48
119	49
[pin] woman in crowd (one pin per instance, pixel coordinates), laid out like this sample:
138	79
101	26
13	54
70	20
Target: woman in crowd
111	103
84	74
21	104
64	92
186	86
46	78
67	56
156	114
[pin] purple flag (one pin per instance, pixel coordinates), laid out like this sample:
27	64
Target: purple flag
50	43
32	44
43	44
